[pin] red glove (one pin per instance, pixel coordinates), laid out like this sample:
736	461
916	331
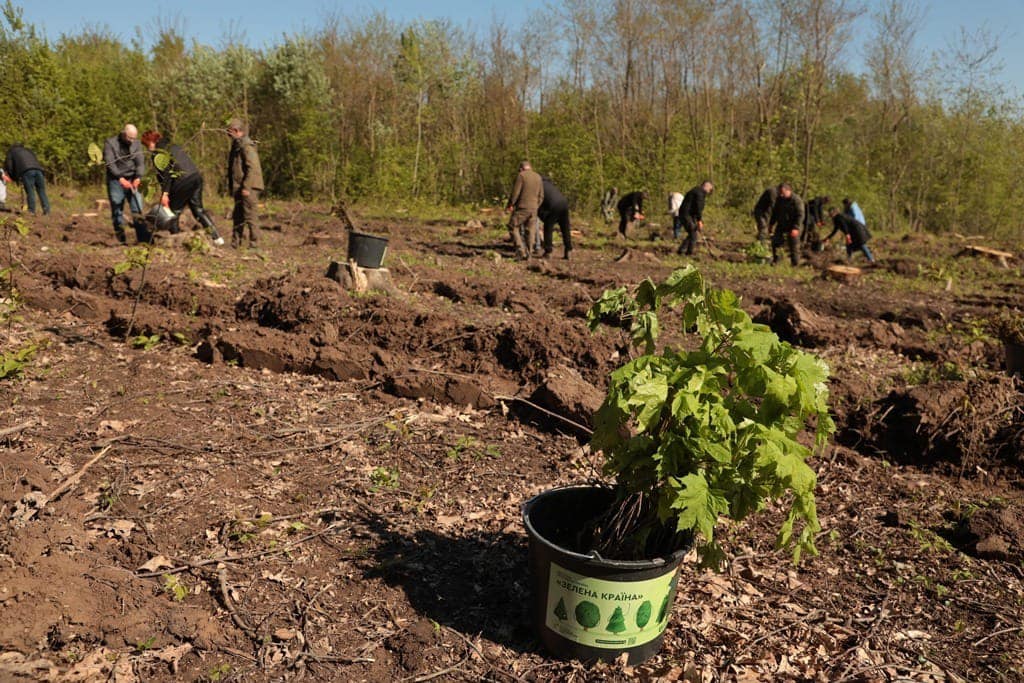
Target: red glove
849	240
795	232
165	200
136	183
7	178
639	216
125	183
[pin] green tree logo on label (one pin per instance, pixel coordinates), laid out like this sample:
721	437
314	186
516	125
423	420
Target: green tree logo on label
617	624
588	615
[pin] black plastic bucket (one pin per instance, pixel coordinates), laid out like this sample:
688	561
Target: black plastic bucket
586	607
366	250
1014	358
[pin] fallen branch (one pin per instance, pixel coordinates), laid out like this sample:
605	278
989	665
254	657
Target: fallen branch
533	405
436	674
71	481
222	582
16	428
185	566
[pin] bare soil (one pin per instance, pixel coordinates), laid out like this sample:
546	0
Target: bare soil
299	482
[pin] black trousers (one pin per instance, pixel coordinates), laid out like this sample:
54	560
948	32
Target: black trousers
188	191
549	220
785	237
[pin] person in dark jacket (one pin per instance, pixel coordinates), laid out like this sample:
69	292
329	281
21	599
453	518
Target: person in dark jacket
22	166
554	209
855	232
631	208
126	165
762	212
691	213
786	219
181	183
814	218
245	183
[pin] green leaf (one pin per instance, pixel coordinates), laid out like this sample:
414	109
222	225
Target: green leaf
697	505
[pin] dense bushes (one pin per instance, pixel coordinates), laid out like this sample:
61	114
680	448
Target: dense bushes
596	94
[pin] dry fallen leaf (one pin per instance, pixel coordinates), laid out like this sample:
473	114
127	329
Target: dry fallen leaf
155	564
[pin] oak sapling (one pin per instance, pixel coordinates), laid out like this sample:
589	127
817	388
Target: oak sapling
692	436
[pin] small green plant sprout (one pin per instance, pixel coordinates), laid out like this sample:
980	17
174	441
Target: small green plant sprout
174	587
384	478
181	338
219	672
138	256
144	341
691	436
757	252
14	362
144	645
463	443
197	244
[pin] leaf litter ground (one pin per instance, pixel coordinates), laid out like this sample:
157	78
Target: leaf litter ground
308	484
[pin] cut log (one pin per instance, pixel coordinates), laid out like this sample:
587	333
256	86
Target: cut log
102	204
842	273
359	279
1002	257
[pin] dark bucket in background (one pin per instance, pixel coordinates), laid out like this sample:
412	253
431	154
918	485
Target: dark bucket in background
1014	358
586	607
366	250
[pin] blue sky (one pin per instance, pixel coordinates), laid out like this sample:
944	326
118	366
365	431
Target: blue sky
263	22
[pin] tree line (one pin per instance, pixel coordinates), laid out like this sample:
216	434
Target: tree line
654	94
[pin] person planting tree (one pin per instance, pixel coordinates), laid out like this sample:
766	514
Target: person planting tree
786	219
554	209
23	166
631	209
855	232
526	197
762	212
245	183
814	218
181	183
126	165
691	213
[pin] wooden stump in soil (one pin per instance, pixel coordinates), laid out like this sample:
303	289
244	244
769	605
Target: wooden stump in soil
1002	257
841	273
359	279
102	204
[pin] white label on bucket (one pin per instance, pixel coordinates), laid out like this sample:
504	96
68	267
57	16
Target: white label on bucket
608	614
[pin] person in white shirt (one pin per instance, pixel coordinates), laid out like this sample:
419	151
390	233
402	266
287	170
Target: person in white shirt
675	200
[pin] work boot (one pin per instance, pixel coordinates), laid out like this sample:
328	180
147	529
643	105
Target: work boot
566	257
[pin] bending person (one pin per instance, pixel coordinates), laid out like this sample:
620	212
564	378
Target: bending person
181	183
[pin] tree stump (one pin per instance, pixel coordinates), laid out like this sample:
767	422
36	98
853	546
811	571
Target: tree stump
845	274
359	279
